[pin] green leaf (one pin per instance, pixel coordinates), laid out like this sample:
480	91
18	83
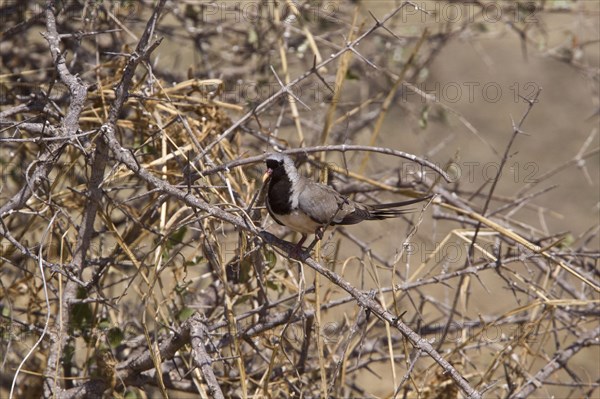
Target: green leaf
274	286
115	336
131	395
177	237
185	314
351	75
424	119
82	315
104	324
252	37
270	258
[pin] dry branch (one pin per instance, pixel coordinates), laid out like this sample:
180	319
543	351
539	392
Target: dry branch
161	273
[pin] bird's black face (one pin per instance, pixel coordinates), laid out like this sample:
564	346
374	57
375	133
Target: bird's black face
274	164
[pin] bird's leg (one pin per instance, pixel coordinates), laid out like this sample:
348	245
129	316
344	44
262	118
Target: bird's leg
321	229
319	233
298	247
318	237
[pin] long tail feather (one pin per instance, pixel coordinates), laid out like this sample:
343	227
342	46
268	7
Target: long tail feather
400	204
380	211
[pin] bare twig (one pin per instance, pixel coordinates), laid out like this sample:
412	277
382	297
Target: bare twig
199	334
326	148
559	361
516	130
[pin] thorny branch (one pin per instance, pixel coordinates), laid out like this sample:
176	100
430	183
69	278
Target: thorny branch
104	150
94	192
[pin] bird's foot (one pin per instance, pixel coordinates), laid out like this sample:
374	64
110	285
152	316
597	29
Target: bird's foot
298	250
319	234
312	244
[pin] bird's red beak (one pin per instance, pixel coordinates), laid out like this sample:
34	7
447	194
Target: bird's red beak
267	174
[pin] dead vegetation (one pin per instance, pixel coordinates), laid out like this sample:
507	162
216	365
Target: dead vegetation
137	258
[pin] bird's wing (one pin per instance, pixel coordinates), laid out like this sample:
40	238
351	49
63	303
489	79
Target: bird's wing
326	206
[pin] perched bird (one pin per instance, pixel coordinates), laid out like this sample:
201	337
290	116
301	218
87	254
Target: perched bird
309	207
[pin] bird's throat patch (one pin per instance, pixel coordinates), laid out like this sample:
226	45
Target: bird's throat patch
280	192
